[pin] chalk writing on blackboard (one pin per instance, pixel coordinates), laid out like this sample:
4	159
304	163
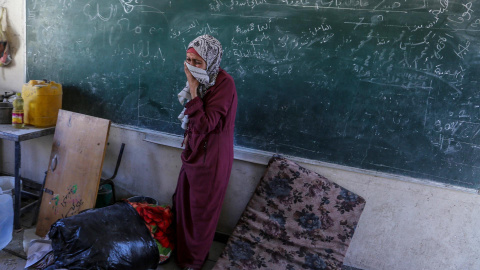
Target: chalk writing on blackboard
377	84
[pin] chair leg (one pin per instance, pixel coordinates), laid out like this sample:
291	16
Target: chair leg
39	202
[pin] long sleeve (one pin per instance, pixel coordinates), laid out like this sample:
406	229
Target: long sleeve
204	117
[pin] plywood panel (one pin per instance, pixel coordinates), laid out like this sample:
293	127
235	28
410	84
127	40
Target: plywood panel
74	169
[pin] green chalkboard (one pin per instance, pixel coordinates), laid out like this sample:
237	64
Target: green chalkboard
374	84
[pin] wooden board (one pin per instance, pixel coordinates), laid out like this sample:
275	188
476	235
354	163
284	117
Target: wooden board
79	149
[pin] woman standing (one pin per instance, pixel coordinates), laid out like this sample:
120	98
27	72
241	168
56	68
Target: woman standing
208	120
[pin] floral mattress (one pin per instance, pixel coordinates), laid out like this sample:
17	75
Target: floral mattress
296	219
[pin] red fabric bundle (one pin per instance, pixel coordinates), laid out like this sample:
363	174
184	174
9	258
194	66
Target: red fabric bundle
158	219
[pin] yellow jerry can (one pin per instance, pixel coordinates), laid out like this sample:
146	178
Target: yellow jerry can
42	101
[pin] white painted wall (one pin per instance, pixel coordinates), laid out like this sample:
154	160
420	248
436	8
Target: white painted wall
405	226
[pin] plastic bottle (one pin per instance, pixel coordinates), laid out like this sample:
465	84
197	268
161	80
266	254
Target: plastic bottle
17	113
6	219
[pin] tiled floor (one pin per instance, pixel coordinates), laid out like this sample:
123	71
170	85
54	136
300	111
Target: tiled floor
12	257
10	262
215	252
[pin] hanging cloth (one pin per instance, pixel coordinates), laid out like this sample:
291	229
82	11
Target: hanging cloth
5	56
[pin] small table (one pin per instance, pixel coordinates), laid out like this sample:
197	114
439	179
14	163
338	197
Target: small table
17	135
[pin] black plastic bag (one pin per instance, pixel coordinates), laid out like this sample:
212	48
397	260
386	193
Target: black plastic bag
113	237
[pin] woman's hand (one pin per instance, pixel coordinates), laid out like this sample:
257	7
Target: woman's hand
192	82
185	141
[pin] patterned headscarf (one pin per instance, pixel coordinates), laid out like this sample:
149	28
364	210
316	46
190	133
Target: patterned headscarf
210	49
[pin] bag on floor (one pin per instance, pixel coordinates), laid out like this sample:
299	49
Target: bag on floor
112	237
159	219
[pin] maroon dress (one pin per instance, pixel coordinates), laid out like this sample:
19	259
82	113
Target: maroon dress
206	165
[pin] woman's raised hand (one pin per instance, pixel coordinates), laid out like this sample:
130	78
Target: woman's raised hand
192	82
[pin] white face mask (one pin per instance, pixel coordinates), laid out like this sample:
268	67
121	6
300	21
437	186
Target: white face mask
199	74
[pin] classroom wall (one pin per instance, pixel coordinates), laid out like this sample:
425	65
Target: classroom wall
405	225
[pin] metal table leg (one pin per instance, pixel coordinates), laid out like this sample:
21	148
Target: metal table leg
16	212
